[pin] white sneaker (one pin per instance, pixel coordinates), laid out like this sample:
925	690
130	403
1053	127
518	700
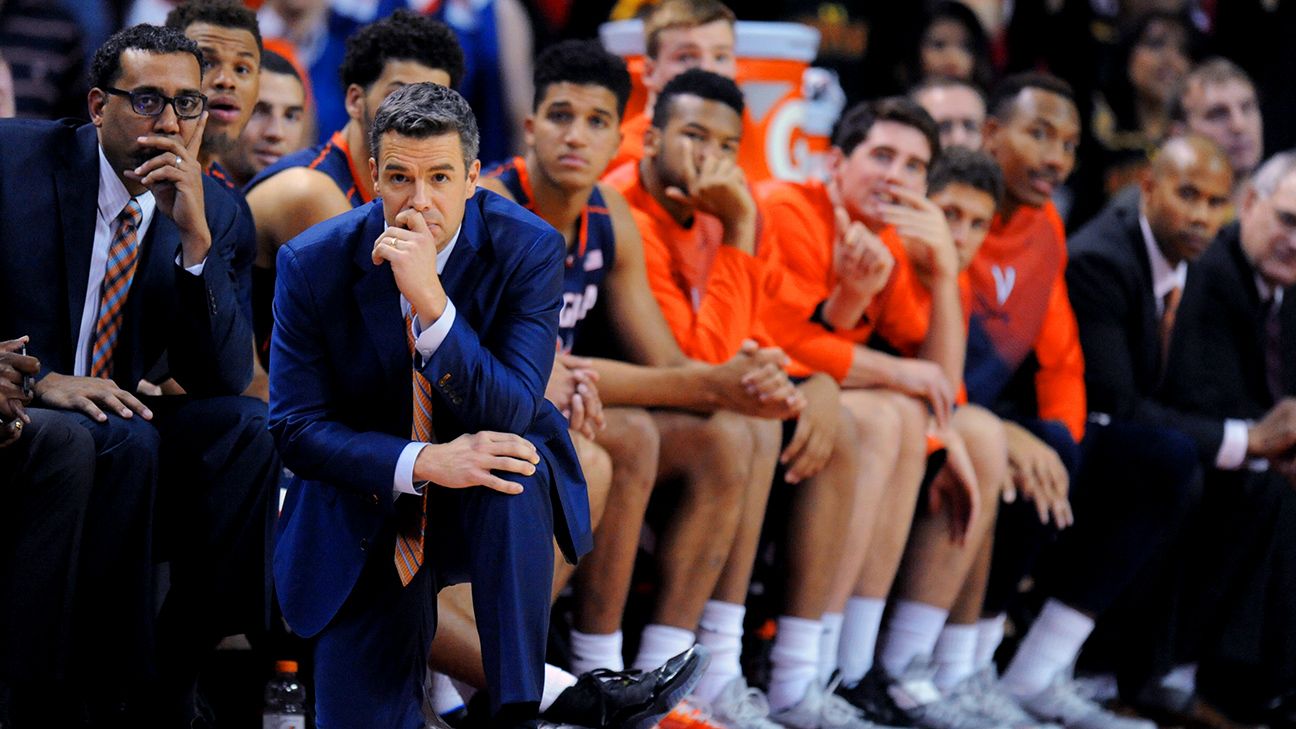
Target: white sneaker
1061	702
981	694
823	709
915	691
739	706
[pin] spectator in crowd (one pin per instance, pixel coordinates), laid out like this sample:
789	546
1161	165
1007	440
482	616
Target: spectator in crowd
958	108
277	125
1231	362
496	37
1217	99
951	44
1252	34
42	44
142	230
46	472
1129	116
495	511
318	34
7	105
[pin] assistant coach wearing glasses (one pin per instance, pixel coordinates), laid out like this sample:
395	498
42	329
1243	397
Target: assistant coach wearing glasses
115	250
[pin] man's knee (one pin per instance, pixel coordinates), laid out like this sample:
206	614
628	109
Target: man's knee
529	512
724	435
596	464
877	420
236	418
633	443
60	439
846	450
132	439
1169	471
983	435
1182	467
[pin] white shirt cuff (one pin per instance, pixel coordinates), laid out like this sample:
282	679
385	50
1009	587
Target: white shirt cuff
195	269
1232	451
429	340
404	481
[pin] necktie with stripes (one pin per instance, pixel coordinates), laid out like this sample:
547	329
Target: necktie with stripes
409	544
1171	308
1273	349
123	255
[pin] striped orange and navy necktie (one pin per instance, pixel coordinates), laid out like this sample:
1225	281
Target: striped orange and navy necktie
409	545
123	255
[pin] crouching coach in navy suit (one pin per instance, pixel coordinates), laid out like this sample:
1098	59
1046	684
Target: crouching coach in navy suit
413	338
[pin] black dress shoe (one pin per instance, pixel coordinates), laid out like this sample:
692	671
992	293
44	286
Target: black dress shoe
872	696
629	699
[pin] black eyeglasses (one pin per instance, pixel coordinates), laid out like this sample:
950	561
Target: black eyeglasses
151	103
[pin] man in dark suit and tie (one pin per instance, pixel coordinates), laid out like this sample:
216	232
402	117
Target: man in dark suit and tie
1126	272
115	250
1234	357
1126	275
413	339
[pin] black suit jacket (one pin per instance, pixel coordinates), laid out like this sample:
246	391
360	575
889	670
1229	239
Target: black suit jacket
49	184
1217	363
1109	278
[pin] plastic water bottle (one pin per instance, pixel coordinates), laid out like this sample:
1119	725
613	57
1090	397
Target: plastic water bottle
285	699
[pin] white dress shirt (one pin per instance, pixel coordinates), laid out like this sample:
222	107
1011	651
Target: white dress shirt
1165	278
426	343
113	197
112	200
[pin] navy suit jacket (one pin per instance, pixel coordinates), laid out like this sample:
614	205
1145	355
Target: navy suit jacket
1109	278
49	186
340	392
1218	357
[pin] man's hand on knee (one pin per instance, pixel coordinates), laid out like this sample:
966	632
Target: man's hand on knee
470	459
89	395
1037	473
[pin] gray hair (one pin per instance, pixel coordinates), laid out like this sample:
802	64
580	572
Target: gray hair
1272	172
426	110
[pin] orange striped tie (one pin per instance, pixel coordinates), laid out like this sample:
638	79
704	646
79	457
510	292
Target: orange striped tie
409	546
123	254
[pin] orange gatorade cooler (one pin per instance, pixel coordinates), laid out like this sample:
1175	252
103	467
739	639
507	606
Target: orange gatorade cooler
785	134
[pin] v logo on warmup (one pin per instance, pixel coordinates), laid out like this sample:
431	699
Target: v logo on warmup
1004	280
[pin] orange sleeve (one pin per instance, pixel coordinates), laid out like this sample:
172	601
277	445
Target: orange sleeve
801	270
1059	383
904	311
726	313
785	315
